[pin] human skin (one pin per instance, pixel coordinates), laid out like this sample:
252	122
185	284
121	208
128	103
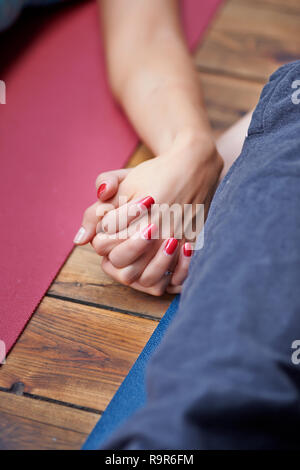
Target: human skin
152	76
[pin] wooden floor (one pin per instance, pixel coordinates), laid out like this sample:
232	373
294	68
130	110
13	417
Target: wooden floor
88	330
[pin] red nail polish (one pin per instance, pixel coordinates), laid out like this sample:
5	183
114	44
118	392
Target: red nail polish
148	231
171	246
146	202
101	189
187	250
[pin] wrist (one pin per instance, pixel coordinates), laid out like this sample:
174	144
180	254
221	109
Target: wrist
195	147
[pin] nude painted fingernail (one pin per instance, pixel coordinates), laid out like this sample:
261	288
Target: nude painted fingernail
79	235
101	189
146	202
171	246
187	250
148	232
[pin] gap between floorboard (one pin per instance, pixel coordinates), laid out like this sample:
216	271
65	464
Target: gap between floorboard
103	307
52	400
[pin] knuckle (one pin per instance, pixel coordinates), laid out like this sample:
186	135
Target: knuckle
174	290
115	260
127	276
157	291
146	281
175	281
99	246
179	278
105	266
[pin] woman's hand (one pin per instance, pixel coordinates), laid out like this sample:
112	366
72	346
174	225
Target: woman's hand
166	272
164	178
132	254
107	185
186	174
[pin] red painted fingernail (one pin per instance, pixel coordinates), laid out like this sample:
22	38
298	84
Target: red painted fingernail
101	189
146	202
148	231
171	246
187	249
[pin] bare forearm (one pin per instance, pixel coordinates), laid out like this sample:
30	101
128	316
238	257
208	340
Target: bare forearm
151	72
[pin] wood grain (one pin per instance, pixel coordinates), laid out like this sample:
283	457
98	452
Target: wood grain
27	423
250	40
228	99
291	6
76	354
82	279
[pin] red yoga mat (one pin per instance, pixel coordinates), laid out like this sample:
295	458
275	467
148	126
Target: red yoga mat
59	129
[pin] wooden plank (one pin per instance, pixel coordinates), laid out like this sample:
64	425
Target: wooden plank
27	423
292	6
82	279
250	40
228	99
76	354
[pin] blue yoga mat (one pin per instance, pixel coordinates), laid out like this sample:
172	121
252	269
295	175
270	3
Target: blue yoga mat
132	394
